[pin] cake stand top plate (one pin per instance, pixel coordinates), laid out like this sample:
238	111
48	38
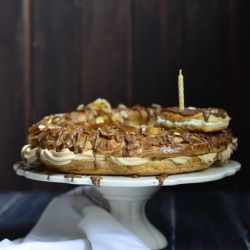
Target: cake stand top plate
38	172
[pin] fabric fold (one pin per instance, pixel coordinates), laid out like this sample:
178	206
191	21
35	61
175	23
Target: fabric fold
77	220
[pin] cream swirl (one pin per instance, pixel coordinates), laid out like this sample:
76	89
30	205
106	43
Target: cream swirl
226	154
207	158
66	156
29	154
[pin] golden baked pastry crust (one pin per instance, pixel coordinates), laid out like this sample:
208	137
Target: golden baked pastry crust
122	133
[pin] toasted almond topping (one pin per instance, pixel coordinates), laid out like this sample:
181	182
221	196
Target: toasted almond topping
51	126
122	106
124	113
99	119
80	107
56	119
48	122
41	127
117	117
156	105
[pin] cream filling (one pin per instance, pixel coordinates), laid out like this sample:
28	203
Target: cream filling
207	158
129	160
66	156
193	123
178	160
225	155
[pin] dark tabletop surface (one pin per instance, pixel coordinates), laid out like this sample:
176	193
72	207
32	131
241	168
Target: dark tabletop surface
189	220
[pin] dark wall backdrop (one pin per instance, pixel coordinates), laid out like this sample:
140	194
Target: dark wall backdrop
56	54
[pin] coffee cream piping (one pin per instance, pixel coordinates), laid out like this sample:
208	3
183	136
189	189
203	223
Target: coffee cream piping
66	156
178	160
129	160
207	158
195	123
225	155
29	154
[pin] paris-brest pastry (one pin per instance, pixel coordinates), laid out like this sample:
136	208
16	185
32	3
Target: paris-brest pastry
99	140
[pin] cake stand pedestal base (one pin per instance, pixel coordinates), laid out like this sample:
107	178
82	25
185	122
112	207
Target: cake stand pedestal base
127	196
127	205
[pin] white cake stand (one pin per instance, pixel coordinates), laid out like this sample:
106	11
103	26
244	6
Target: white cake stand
127	196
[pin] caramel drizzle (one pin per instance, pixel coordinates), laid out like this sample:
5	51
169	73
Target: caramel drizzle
32	168
38	152
135	176
85	142
186	137
130	139
206	139
161	178
44	136
96	180
57	139
76	146
139	109
36	168
50	173
96	164
216	139
20	165
117	148
70	137
72	176
150	112
189	112
153	112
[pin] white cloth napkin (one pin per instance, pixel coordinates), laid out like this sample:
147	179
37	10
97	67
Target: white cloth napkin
77	220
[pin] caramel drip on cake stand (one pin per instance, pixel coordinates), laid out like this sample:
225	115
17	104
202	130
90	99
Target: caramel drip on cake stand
96	180
50	173
161	178
72	176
